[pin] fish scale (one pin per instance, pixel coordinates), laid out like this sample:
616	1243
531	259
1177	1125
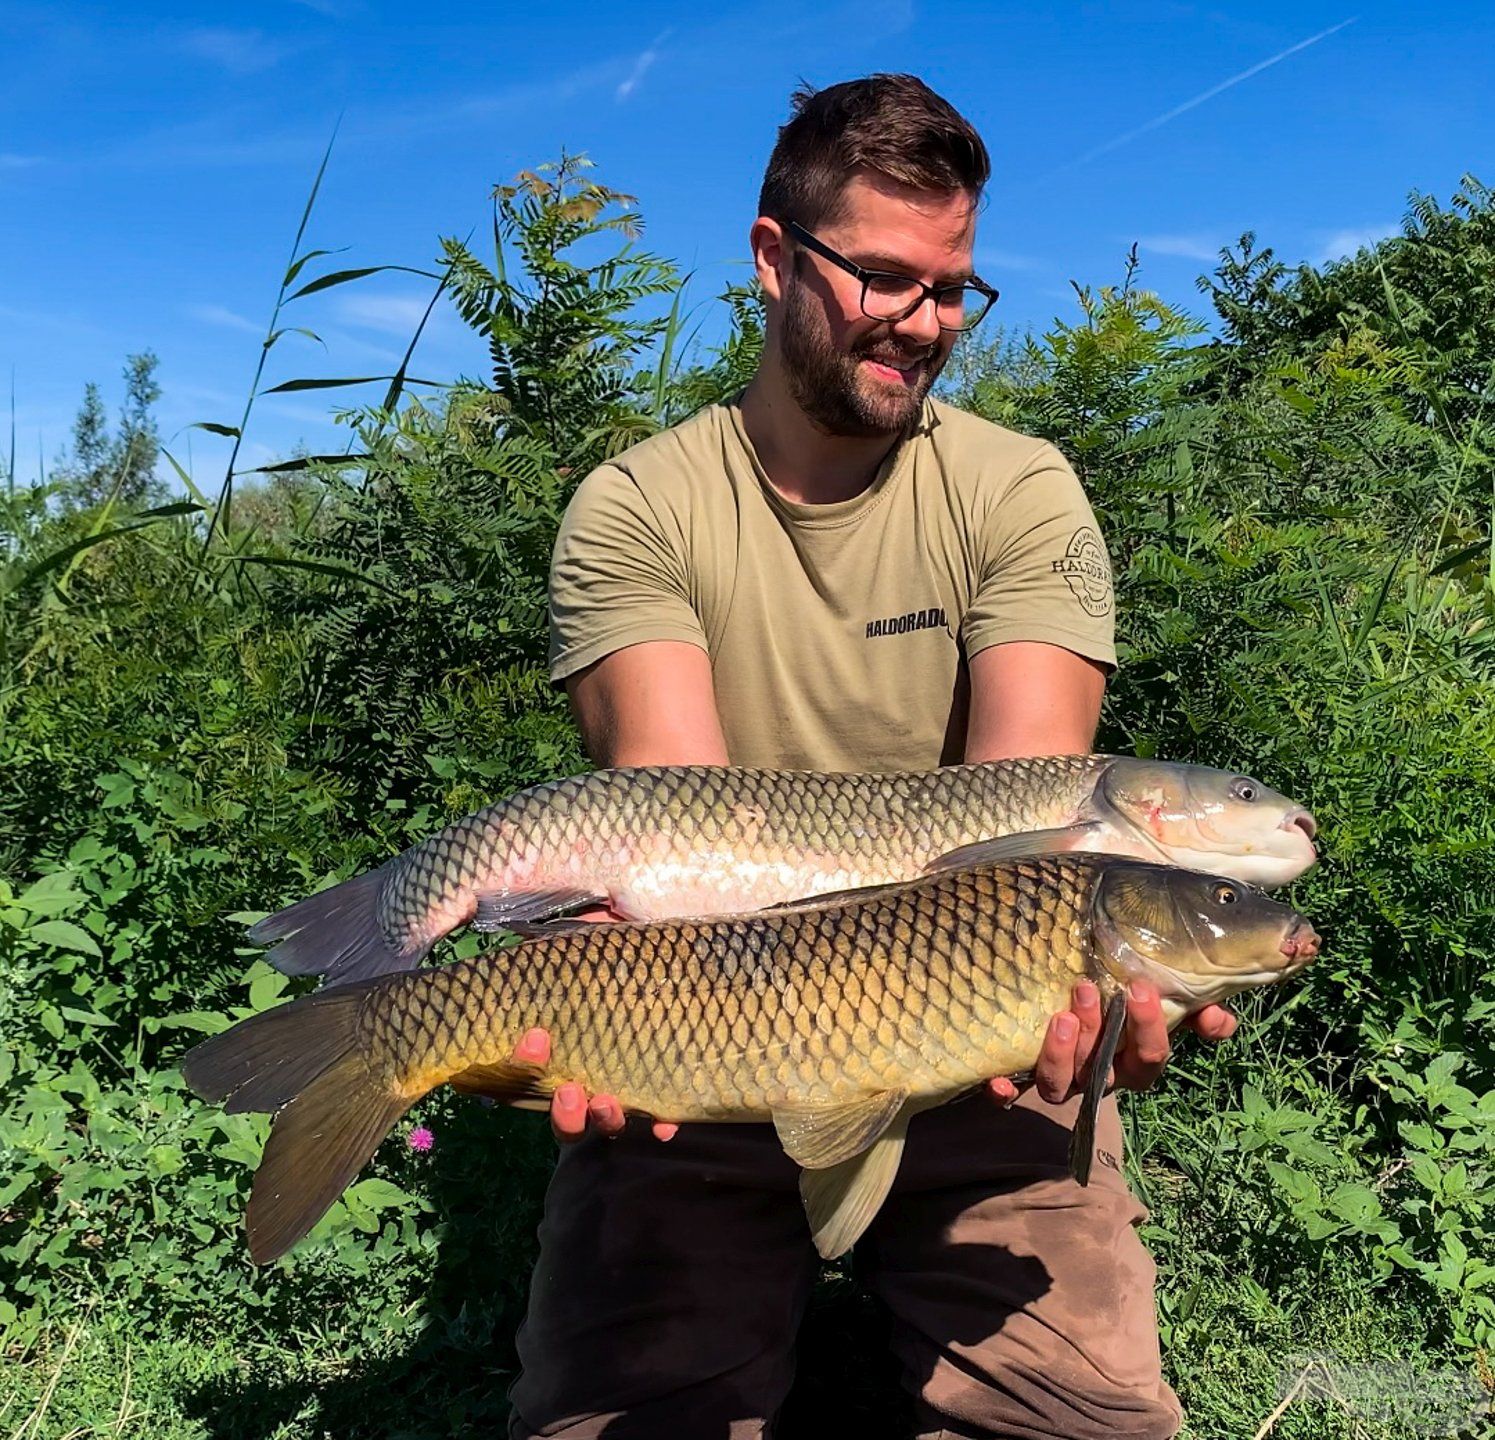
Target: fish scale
731	1019
829	829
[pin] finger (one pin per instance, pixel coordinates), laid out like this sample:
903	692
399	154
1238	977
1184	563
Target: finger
664	1130
1214	1022
1086	1006
1002	1090
606	1114
1055	1071
1144	1047
568	1113
533	1047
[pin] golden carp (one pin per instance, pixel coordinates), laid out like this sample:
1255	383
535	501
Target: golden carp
658	842
836	1019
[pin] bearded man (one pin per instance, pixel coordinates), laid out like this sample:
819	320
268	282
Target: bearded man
835	571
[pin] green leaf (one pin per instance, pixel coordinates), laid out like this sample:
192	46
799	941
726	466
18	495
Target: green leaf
305	462
319	567
65	936
51	892
376	1195
287	387
205	1022
342	277
85	1017
298	265
265	990
231	432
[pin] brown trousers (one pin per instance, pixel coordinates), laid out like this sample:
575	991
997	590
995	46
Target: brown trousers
672	1278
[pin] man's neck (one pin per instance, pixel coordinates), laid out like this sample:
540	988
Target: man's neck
803	463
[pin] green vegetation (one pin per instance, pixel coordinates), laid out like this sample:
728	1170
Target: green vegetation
201	718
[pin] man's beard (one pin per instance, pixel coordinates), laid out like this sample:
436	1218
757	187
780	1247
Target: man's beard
833	387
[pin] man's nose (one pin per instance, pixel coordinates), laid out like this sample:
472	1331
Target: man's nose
922	325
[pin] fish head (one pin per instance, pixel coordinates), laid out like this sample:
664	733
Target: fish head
1199	938
1205	819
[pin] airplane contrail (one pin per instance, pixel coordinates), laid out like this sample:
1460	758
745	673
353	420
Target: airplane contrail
1209	94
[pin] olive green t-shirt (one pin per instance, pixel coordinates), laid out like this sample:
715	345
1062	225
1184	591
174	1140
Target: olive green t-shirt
838	634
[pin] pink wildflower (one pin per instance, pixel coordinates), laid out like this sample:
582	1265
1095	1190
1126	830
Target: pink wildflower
420	1138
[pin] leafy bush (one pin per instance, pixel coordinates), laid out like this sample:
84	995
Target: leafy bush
198	722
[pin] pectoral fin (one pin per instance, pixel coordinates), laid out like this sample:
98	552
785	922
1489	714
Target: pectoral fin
819	1136
1082	1141
511	909
1014	847
842	1201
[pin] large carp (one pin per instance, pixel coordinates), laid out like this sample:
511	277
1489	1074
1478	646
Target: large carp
658	842
836	1019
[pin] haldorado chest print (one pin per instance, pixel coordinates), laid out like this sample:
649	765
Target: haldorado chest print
931	618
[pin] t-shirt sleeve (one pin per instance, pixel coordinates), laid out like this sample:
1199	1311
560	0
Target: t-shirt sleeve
1045	574
617	575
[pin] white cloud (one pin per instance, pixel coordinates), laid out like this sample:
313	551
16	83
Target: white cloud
240	51
1339	243
388	314
219	315
1186	247
641	67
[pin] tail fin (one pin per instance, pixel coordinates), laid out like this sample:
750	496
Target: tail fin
336	933
304	1063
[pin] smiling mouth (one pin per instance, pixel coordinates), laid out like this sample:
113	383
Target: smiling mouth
906	373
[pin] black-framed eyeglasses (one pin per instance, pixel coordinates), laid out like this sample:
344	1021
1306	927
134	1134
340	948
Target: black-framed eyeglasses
891	297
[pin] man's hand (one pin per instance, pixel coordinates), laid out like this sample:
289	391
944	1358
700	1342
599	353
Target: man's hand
1061	1069
570	1107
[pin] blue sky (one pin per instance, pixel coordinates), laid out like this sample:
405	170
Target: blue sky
154	157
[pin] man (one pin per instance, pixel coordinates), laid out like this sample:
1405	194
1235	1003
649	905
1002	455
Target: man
836	572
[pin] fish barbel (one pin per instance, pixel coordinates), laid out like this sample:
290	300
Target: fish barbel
658	842
835	1019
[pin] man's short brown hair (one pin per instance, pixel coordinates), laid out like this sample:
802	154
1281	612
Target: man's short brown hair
892	124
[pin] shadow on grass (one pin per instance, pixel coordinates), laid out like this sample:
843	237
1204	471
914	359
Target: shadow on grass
452	1379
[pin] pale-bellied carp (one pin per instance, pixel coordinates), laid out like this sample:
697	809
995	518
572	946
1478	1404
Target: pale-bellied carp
659	842
835	1019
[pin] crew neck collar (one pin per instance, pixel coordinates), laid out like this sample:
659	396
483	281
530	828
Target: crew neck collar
836	513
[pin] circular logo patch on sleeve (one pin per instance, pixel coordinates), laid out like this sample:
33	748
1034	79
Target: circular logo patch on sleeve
1087	571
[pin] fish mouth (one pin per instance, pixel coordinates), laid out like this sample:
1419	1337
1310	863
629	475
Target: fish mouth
1300	819
1300	945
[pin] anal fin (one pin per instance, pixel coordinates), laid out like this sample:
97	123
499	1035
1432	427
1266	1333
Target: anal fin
820	1136
1082	1141
842	1201
510	1082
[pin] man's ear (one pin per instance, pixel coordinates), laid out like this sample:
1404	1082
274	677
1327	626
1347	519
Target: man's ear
770	255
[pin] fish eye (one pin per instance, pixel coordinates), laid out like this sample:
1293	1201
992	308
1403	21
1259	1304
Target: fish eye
1226	894
1244	789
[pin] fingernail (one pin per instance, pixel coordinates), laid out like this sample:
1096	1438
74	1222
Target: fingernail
1064	1027
570	1096
1086	993
533	1040
1139	990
